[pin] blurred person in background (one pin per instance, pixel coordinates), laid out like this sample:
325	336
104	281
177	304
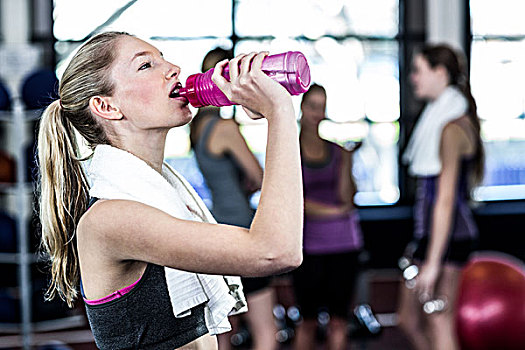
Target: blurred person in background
445	154
332	238
233	174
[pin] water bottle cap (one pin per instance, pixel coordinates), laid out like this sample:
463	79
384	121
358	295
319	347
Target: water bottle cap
303	74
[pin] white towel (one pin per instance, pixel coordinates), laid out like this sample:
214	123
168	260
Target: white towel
422	153
117	174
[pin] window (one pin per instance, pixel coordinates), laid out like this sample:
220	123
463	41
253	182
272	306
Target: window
497	70
351	46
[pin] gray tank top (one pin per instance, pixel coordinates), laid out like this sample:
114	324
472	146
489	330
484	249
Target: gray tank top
143	318
224	178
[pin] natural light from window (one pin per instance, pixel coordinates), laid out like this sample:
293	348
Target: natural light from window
350	45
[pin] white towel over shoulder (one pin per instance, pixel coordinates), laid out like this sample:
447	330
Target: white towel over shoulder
422	153
117	174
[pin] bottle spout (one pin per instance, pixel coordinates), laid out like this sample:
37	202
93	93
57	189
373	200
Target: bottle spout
189	91
180	93
183	93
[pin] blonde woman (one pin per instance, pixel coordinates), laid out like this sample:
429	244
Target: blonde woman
138	241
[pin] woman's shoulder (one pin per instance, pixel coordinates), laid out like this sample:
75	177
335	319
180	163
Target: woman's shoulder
227	125
226	134
120	229
452	135
95	231
217	127
460	127
104	215
454	126
459	133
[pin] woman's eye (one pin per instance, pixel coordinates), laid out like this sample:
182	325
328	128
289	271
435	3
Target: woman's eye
145	66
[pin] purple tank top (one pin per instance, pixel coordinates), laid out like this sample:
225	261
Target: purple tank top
334	234
463	226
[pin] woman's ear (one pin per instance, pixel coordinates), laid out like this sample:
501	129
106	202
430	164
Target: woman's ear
103	107
442	71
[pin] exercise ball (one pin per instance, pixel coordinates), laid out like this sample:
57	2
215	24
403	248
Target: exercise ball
491	303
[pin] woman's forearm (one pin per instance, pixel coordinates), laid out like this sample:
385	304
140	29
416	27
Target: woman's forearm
279	217
346	185
440	230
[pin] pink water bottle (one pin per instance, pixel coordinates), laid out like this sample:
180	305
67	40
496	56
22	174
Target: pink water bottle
290	69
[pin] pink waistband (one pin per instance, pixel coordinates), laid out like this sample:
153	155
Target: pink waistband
115	295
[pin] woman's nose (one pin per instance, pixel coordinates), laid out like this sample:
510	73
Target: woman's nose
173	71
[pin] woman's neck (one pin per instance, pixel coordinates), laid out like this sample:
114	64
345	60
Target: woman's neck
439	91
310	132
148	146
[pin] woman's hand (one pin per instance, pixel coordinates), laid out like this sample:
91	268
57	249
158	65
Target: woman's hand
426	281
250	87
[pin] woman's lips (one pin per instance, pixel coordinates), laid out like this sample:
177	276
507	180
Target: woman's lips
175	91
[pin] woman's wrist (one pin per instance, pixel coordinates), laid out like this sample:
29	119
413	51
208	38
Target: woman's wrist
432	262
284	125
281	111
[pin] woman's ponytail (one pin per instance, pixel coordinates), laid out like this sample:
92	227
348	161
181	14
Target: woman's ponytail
63	199
64	191
463	84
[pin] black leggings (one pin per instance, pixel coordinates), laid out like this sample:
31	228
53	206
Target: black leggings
325	283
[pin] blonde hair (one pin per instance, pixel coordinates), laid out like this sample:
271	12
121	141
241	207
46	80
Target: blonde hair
63	187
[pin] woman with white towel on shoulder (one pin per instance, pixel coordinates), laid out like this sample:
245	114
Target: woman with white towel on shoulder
137	242
445	154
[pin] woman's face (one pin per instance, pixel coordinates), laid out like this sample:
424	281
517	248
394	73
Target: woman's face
427	82
143	82
313	108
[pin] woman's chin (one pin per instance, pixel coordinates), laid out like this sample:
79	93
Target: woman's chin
186	116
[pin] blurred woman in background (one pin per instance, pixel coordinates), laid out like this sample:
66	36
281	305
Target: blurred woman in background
332	234
233	174
445	154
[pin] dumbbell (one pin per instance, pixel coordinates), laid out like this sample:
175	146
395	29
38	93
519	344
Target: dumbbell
409	272
286	320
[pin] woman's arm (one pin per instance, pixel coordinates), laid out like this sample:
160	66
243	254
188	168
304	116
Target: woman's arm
127	230
443	210
122	230
346	186
233	142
